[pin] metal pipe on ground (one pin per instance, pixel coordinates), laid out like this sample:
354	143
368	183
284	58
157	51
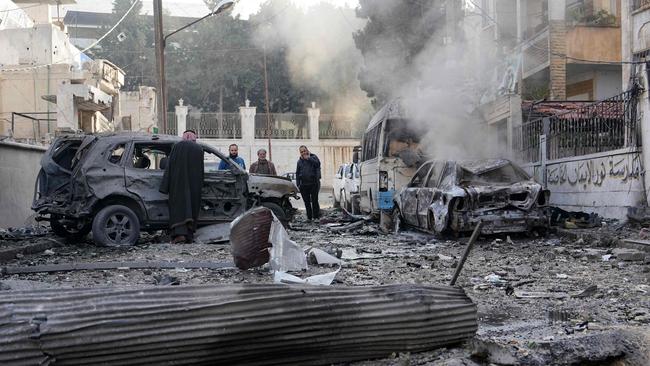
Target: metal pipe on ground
229	324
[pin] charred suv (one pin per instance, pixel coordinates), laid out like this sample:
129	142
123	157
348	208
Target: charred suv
455	195
108	184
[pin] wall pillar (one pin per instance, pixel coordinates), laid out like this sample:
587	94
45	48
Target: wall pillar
313	114
181	118
66	113
558	49
247	116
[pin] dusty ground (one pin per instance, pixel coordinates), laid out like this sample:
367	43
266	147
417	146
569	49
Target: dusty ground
583	304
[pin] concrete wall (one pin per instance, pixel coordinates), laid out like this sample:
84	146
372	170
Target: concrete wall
19	166
140	106
606	183
22	91
594	43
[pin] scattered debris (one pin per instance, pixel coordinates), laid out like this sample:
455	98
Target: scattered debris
217	233
23	233
629	255
574	220
319	256
98	266
249	238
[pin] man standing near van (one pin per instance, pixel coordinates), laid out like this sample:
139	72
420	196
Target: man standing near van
308	181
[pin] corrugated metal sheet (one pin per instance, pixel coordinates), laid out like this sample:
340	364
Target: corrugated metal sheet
230	324
249	238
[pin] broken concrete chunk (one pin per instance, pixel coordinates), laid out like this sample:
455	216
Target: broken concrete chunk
630	255
524	270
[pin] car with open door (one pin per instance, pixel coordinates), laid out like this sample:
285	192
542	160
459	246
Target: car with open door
109	184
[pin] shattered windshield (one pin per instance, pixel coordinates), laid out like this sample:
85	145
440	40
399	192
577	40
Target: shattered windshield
505	174
402	139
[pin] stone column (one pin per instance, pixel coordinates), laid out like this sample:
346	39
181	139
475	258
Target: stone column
181	118
66	112
313	115
558	49
247	117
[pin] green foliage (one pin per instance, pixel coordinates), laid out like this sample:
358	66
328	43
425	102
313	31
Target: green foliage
213	60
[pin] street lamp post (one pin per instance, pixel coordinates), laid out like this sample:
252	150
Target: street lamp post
161	39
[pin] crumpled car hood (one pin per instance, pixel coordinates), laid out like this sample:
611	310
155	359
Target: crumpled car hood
488	197
271	186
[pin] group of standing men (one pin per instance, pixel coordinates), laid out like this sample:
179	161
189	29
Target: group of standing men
183	181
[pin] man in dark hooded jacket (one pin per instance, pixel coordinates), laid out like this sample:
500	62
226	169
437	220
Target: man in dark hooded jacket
182	181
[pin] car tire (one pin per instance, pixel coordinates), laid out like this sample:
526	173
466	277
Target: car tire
397	220
356	204
66	231
116	226
278	212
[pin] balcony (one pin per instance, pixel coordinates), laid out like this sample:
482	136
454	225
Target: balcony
640	5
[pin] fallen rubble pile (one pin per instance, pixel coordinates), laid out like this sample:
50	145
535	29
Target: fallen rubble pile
229	324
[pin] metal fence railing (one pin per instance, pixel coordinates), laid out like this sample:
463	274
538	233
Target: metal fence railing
172	124
32	125
215	125
282	126
329	127
639	4
598	127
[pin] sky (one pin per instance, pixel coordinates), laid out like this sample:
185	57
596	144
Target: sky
194	8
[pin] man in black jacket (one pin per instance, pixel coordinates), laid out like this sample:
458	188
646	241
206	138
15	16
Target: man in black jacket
308	181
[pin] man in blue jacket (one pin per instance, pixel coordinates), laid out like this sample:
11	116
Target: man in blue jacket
308	181
233	150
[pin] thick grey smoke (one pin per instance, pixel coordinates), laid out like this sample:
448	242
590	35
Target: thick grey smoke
320	51
443	88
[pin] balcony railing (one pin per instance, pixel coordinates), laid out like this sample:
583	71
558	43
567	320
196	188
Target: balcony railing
598	127
640	4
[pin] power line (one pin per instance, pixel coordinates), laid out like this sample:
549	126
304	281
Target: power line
82	51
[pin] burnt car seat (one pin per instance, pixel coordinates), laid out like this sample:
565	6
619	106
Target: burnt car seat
142	162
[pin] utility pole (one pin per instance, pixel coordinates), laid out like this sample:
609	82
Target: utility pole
266	99
160	65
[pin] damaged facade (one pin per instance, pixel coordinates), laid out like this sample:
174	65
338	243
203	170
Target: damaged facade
563	105
47	85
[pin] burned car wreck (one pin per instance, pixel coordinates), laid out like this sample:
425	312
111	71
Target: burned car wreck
109	184
453	196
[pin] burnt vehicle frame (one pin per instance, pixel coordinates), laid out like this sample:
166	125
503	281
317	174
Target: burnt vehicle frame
446	196
83	175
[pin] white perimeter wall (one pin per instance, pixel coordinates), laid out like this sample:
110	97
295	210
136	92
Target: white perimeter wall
605	183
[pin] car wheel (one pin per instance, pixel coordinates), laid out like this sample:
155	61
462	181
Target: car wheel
115	226
277	211
397	220
70	231
356	204
337	204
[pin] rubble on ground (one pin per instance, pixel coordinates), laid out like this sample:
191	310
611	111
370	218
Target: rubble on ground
533	294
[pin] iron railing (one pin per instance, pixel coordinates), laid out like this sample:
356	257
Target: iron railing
172	124
598	127
329	127
639	4
283	126
215	125
42	124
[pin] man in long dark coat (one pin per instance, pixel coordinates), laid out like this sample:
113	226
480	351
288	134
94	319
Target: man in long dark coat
182	181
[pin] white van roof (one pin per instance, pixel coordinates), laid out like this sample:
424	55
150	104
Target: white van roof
389	110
